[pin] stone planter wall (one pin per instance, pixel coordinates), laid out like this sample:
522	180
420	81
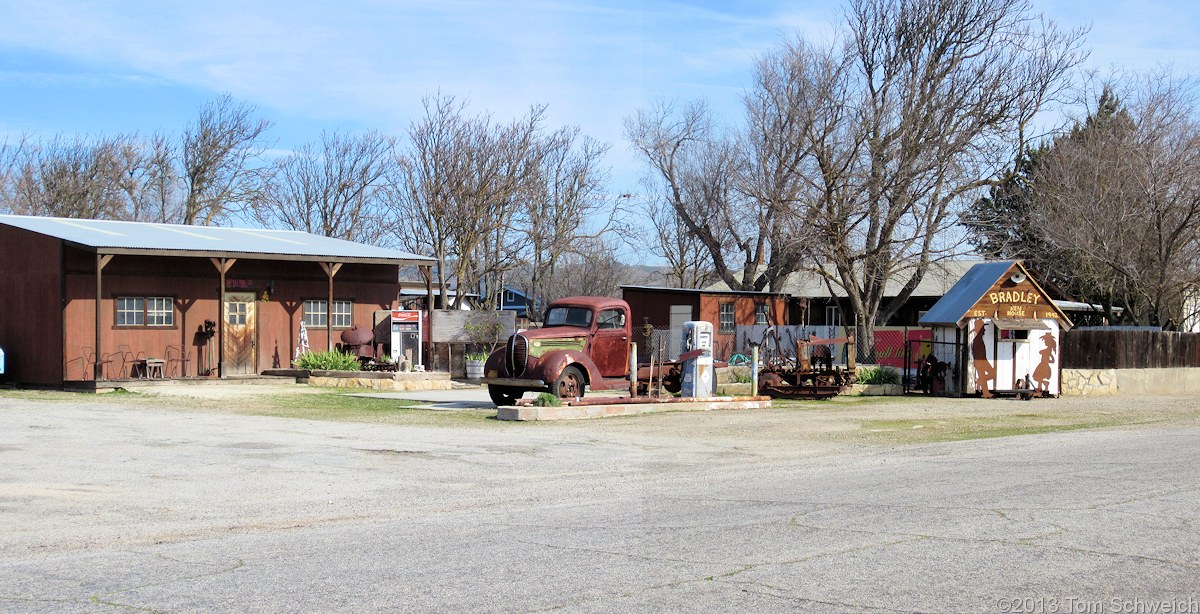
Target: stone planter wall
430	380
875	390
1106	382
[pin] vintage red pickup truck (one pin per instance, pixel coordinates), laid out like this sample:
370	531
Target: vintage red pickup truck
583	343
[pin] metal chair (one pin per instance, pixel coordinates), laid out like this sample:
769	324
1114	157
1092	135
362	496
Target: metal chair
90	363
178	359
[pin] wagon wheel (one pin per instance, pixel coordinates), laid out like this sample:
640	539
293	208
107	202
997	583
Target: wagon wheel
569	384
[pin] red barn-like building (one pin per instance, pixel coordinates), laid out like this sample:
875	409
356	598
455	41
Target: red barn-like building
94	299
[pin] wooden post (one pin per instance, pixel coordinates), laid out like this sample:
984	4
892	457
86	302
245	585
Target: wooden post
102	260
754	370
633	370
428	271
223	265
331	269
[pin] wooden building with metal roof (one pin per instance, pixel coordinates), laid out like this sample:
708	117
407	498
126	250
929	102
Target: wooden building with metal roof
998	330
90	300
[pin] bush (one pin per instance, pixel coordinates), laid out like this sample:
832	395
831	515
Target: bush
546	399
878	375
332	360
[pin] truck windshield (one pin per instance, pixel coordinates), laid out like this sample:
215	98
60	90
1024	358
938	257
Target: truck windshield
569	316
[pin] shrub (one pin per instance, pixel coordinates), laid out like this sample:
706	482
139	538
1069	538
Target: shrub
878	375
332	360
740	375
546	399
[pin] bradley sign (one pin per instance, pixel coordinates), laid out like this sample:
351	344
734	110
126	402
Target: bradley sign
1014	296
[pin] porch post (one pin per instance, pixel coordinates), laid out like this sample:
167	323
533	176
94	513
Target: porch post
223	265
427	271
98	366
331	269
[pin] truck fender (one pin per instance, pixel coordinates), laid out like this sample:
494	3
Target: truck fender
551	365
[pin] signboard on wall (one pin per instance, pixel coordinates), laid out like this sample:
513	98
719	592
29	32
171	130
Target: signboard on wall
1014	296
454	326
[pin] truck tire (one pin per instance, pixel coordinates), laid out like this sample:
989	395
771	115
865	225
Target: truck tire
569	385
504	396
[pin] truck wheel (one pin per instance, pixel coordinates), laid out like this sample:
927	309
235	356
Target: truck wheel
504	396
569	384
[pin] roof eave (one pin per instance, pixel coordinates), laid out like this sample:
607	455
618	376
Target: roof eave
174	253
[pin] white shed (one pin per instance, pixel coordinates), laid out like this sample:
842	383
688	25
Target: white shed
997	329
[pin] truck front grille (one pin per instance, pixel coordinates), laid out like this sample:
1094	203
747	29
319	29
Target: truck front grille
516	354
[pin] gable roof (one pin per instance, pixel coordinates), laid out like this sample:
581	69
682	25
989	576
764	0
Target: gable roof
952	308
143	238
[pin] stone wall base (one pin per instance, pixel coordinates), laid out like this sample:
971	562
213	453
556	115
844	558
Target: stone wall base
401	382
1107	382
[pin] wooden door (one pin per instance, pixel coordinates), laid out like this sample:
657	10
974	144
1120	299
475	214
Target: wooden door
240	335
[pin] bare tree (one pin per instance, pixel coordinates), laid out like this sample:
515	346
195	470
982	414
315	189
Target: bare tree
697	169
336	188
10	153
1120	196
688	262
565	207
906	121
76	177
459	186
593	269
162	199
221	168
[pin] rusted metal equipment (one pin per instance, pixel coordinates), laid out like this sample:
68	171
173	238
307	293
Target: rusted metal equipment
812	375
361	343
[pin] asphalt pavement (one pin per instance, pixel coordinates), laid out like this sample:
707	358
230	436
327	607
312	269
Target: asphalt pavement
112	508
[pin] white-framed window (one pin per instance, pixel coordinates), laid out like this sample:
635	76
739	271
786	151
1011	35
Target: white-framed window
342	314
157	311
237	313
726	321
316	313
131	311
160	311
762	313
833	315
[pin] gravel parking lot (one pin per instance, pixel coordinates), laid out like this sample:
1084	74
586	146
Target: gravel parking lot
222	501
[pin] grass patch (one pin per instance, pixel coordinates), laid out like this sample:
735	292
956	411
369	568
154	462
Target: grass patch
342	406
931	430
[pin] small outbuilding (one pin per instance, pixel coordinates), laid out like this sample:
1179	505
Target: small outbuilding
99	299
996	330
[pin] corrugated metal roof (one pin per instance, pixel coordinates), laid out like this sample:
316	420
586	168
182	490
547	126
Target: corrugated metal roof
938	279
112	237
954	305
710	290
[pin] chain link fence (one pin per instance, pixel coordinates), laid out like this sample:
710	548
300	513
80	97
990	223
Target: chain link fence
778	344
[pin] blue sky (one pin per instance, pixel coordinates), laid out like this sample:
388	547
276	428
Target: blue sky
72	67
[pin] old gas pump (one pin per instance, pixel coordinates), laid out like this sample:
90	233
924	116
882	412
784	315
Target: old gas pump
406	336
697	357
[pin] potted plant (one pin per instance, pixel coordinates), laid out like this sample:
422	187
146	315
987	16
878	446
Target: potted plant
483	330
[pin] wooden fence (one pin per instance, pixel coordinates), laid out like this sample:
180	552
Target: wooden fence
1129	349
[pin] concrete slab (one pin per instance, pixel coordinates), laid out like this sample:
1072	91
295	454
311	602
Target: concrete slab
457	399
585	412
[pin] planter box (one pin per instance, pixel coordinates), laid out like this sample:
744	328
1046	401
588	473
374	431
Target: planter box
875	390
399	381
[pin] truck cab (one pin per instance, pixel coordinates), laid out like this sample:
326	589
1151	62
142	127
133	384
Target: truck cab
583	343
